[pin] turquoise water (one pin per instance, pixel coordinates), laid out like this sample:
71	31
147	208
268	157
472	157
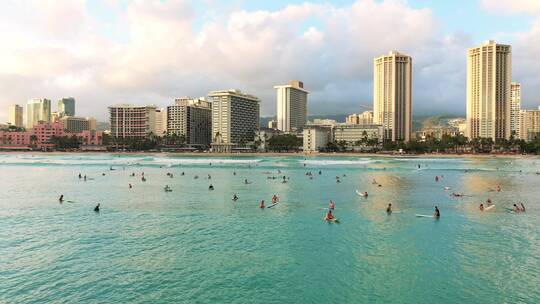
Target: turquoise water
193	245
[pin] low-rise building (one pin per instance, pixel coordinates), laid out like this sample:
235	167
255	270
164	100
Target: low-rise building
316	138
354	134
75	124
272	124
262	138
529	126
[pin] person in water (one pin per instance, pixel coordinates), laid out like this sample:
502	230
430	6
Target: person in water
389	208
365	194
436	178
130	186
235	197
522	207
80	176
489	202
331	205
437	213
61	199
481	207
329	216
96	209
211	187
275	199
516	208
261	205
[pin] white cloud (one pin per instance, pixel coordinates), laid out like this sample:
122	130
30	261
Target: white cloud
512	6
164	51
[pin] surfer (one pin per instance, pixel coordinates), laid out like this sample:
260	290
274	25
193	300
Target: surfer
235	197
246	181
275	199
481	207
331	205
261	205
329	216
454	194
61	199
80	176
209	177
389	208
365	194
489	202
211	187
516	209
498	188
143	179
234	173
96	209
130	186
320	172
85	178
437	213
436	178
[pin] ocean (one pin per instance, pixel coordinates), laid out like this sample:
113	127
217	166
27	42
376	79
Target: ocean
193	245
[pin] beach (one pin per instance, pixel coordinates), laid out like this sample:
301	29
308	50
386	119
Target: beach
193	245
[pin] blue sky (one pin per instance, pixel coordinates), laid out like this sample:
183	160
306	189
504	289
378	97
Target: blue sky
109	51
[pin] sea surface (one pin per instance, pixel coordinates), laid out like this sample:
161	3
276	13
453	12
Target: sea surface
193	245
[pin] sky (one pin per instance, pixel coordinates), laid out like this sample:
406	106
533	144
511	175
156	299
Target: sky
104	52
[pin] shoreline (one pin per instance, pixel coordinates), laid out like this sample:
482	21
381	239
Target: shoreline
282	154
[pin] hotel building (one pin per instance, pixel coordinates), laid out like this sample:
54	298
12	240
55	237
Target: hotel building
235	118
192	119
37	109
66	106
128	120
515	107
529	124
489	74
16	115
392	95
366	118
74	124
291	106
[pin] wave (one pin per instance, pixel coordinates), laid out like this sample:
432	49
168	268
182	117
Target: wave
338	162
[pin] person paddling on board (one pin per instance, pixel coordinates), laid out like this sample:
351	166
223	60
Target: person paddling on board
437	213
261	205
329	216
389	208
436	178
211	187
481	207
489	202
275	199
331	205
365	194
235	197
96	209
61	199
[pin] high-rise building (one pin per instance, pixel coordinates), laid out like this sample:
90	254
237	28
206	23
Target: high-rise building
272	124
37	109
291	106
515	107
392	95
366	118
66	106
191	119
489	73
16	115
529	127
235	117
132	121
161	122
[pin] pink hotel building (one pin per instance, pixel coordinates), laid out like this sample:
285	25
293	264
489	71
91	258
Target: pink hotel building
41	134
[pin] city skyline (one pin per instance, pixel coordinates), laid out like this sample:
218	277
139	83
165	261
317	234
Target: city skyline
124	59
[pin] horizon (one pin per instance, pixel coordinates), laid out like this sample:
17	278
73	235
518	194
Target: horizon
105	52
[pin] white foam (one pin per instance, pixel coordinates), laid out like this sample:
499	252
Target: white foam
338	162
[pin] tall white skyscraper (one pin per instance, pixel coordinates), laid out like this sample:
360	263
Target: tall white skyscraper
515	107
489	74
37	109
392	95
291	106
16	115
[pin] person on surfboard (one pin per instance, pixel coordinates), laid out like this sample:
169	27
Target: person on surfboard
261	205
481	207
437	213
329	216
331	205
389	208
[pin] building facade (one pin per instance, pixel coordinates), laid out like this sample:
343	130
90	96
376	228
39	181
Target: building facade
66	106
316	138
235	118
366	118
161	122
16	116
192	119
489	74
352	134
272	124
291	106
392	95
515	108
529	124
37	110
74	124
132	121
263	136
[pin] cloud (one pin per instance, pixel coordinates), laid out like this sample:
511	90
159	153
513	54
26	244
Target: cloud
157	50
506	7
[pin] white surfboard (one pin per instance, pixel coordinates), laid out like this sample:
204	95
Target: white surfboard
360	193
423	215
489	208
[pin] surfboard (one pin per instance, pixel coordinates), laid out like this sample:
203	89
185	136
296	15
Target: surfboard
333	221
423	215
489	208
360	193
274	204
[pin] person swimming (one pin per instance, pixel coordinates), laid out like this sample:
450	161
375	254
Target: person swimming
389	208
516	209
522	207
96	209
329	216
481	207
61	198
235	197
437	213
365	194
331	205
130	186
489	202
211	187
261	205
